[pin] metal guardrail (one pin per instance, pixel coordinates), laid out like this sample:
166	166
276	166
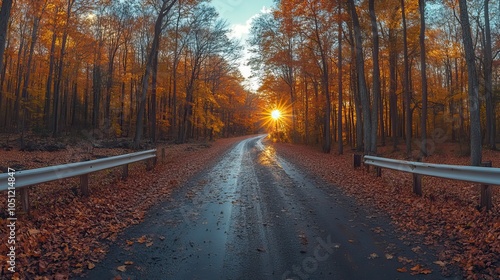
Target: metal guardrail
25	178
484	175
475	174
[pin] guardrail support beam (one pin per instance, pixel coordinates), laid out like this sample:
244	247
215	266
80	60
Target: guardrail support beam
417	184
486	191
125	172
84	184
25	200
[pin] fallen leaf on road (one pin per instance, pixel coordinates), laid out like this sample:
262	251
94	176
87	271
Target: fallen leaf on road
417	249
416	268
303	239
149	244
425	271
90	265
389	256
440	263
129	262
377	230
404	260
122	268
403	269
373	256
142	239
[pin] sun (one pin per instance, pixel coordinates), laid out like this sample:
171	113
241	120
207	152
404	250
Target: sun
276	117
276	114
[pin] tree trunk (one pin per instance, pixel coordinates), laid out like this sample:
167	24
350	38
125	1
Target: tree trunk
152	116
4	24
393	86
48	89
339	112
406	83
34	36
363	92
166	6
356	125
21	56
376	79
473	86
423	66
60	72
488	83
96	90
122	90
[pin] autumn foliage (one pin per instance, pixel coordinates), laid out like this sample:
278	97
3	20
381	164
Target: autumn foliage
369	73
132	69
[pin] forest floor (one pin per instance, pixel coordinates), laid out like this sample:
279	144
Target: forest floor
446	216
65	233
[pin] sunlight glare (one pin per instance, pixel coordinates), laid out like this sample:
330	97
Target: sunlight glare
275	114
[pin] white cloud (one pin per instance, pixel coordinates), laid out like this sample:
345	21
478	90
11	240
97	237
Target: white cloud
265	10
241	32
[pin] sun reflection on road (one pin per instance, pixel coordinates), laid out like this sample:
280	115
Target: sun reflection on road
268	155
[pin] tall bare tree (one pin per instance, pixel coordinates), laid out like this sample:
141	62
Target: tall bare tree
473	86
165	8
340	82
360	67
423	67
4	23
376	78
60	69
406	82
488	81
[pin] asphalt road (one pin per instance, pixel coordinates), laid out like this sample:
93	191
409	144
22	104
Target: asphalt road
253	215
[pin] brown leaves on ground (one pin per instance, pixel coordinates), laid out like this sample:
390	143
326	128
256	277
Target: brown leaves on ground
446	216
65	234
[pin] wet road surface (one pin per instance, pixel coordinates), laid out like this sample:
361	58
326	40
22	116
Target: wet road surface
253	215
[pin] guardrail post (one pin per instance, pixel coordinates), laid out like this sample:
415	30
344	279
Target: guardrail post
125	172
84	184
162	155
417	184
486	190
417	181
356	160
378	170
25	201
148	165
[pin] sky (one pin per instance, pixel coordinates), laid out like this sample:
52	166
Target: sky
239	14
